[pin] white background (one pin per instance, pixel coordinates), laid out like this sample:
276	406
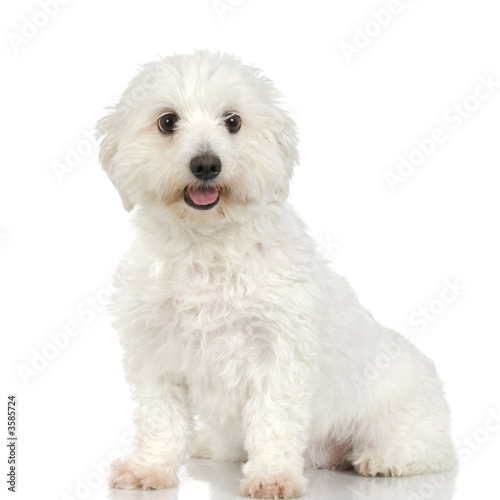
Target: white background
61	236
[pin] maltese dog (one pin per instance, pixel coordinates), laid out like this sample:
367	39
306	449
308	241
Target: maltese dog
240	343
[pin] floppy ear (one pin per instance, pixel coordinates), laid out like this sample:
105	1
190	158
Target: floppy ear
107	129
287	140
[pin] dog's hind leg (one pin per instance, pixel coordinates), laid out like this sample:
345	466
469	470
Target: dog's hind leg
417	444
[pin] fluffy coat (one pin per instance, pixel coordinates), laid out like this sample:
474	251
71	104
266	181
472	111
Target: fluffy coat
230	316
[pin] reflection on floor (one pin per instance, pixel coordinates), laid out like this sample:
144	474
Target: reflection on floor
206	479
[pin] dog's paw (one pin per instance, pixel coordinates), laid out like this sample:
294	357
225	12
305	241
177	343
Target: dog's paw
371	465
284	485
128	474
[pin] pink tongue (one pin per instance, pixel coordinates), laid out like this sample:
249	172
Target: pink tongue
203	196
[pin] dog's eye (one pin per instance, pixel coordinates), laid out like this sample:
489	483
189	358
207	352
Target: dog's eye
166	123
233	123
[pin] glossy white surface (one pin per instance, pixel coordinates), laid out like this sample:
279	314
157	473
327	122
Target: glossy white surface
206	479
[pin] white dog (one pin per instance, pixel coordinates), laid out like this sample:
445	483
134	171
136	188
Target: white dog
227	314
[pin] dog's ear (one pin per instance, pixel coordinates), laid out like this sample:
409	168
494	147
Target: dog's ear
107	130
287	139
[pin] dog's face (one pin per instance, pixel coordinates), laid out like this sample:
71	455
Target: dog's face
201	138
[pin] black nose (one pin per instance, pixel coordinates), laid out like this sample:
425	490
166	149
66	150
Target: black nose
206	167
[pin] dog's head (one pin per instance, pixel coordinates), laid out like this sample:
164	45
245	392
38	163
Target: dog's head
201	137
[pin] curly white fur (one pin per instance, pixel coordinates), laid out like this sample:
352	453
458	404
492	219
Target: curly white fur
232	316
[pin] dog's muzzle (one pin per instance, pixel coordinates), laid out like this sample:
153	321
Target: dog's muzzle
205	168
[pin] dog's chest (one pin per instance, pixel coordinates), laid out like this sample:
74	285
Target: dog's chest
215	309
211	305
208	293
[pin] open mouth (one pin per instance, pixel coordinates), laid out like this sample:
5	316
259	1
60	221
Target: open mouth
202	199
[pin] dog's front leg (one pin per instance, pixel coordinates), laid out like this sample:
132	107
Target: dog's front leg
276	420
163	430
